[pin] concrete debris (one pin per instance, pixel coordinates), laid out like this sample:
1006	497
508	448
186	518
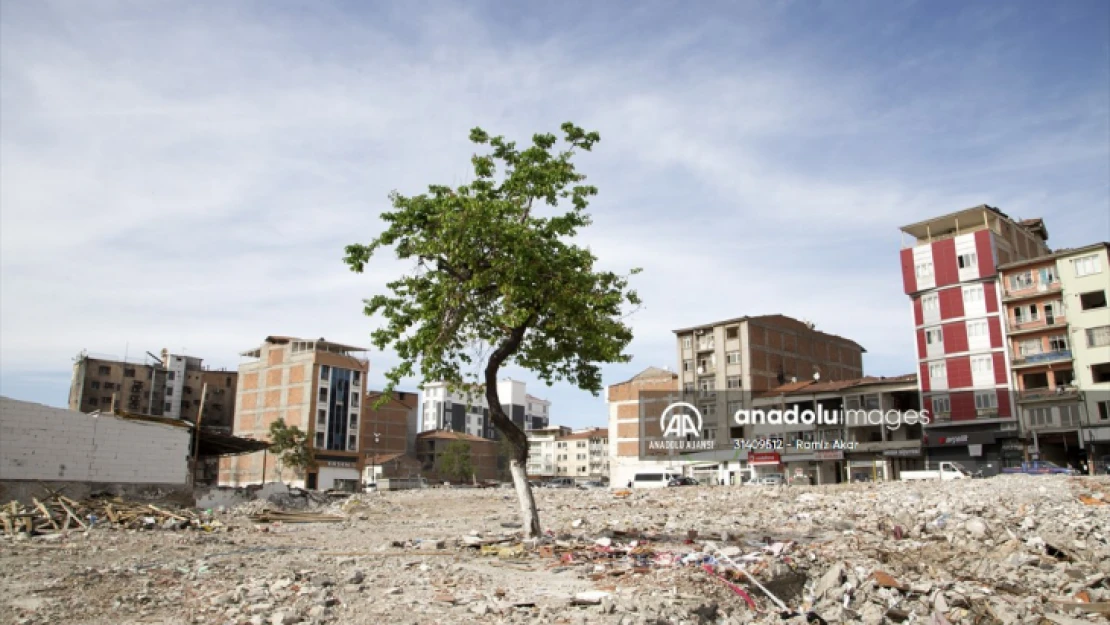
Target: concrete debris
1009	549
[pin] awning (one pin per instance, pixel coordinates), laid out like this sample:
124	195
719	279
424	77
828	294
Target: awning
216	443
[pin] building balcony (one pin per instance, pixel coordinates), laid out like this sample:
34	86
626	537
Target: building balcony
1031	395
1030	360
1035	325
1034	290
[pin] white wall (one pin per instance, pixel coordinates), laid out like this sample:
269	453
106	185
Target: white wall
38	442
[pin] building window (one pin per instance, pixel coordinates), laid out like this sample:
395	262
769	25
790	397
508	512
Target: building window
92	401
1048	275
354	420
1069	414
1092	300
733	358
128	373
1058	343
352	443
706	384
732	381
324	372
705	342
977	329
1039	416
930	303
924	270
1098	337
686	342
937	370
1086	266
687	365
169	391
1030	347
168	407
1104	410
171	375
934	336
966	261
1023	314
688	387
733	406
973	294
981	364
1100	373
104	370
321	416
356	377
941	405
732	332
95	385
323	394
354	400
1023	280
319	440
708	410
986	401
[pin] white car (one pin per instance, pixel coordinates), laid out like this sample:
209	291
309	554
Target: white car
772	479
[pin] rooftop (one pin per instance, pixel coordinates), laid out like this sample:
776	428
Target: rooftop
813	387
450	435
1060	253
969	220
587	434
758	318
321	345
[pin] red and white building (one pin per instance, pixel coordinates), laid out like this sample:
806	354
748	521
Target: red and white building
949	270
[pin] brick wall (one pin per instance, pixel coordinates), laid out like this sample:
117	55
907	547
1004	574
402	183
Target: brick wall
38	442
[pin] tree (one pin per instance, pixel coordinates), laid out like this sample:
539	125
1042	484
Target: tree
455	462
290	445
495	284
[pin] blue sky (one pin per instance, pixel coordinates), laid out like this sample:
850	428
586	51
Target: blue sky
186	175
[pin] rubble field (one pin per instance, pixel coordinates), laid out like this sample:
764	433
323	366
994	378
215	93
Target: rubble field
1009	549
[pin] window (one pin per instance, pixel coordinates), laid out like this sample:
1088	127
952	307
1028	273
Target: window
128	373
986	401
1064	377
981	364
1030	347
733	358
1039	416
733	406
930	303
354	400
1104	410
356	377
706	384
1100	373
705	342
324	372
227	381
1086	266
1048	275
1092	300
1098	337
924	270
934	336
171	375
871	402
354	420
319	440
92	401
323	394
687	365
1069	414
937	370
973	294
188	390
95	385
688	387
732	332
966	261
168	407
977	329
169	391
732	381
708	410
321	416
1023	280
686	342
941	405
1058	343
104	370
352	443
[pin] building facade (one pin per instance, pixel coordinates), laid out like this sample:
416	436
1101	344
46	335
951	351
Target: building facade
626	402
387	432
583	455
316	385
949	272
444	409
431	446
170	386
1085	275
541	451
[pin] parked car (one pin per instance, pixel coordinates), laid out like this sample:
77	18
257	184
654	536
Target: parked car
771	479
592	485
946	471
562	482
683	481
1040	467
654	480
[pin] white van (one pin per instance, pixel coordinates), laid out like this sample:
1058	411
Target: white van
654	479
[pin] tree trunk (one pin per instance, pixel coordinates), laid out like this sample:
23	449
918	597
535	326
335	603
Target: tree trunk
529	516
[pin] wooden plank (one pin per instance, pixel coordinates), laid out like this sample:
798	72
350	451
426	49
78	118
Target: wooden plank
45	512
71	513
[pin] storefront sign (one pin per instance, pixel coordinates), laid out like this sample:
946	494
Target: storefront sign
829	455
764	458
338	465
1013	445
960	440
903	453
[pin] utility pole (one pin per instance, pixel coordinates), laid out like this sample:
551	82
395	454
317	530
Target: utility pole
196	431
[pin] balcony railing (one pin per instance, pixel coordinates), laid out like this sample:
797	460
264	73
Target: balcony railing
1029	359
1037	324
1047	394
1037	288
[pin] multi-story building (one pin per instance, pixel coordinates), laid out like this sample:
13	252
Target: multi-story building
316	385
387	431
583	455
1059	330
950	273
541	450
469	412
169	386
634	407
483	453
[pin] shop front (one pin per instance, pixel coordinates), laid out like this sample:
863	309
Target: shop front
814	467
765	463
339	473
976	450
881	462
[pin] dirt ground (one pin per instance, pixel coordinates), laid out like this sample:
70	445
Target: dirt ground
1001	550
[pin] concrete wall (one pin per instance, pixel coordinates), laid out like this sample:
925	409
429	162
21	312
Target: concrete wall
38	442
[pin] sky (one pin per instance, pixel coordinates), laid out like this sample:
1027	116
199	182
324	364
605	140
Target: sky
186	175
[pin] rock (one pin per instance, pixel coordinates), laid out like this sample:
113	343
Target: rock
576	523
976	527
395	590
356	577
829	581
590	597
284	618
603	542
431	545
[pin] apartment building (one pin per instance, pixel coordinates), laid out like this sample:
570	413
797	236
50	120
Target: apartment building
949	271
583	455
388	432
635	406
484	459
541	451
316	385
167	386
468	412
1059	329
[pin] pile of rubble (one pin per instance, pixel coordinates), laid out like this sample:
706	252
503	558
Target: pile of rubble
58	513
